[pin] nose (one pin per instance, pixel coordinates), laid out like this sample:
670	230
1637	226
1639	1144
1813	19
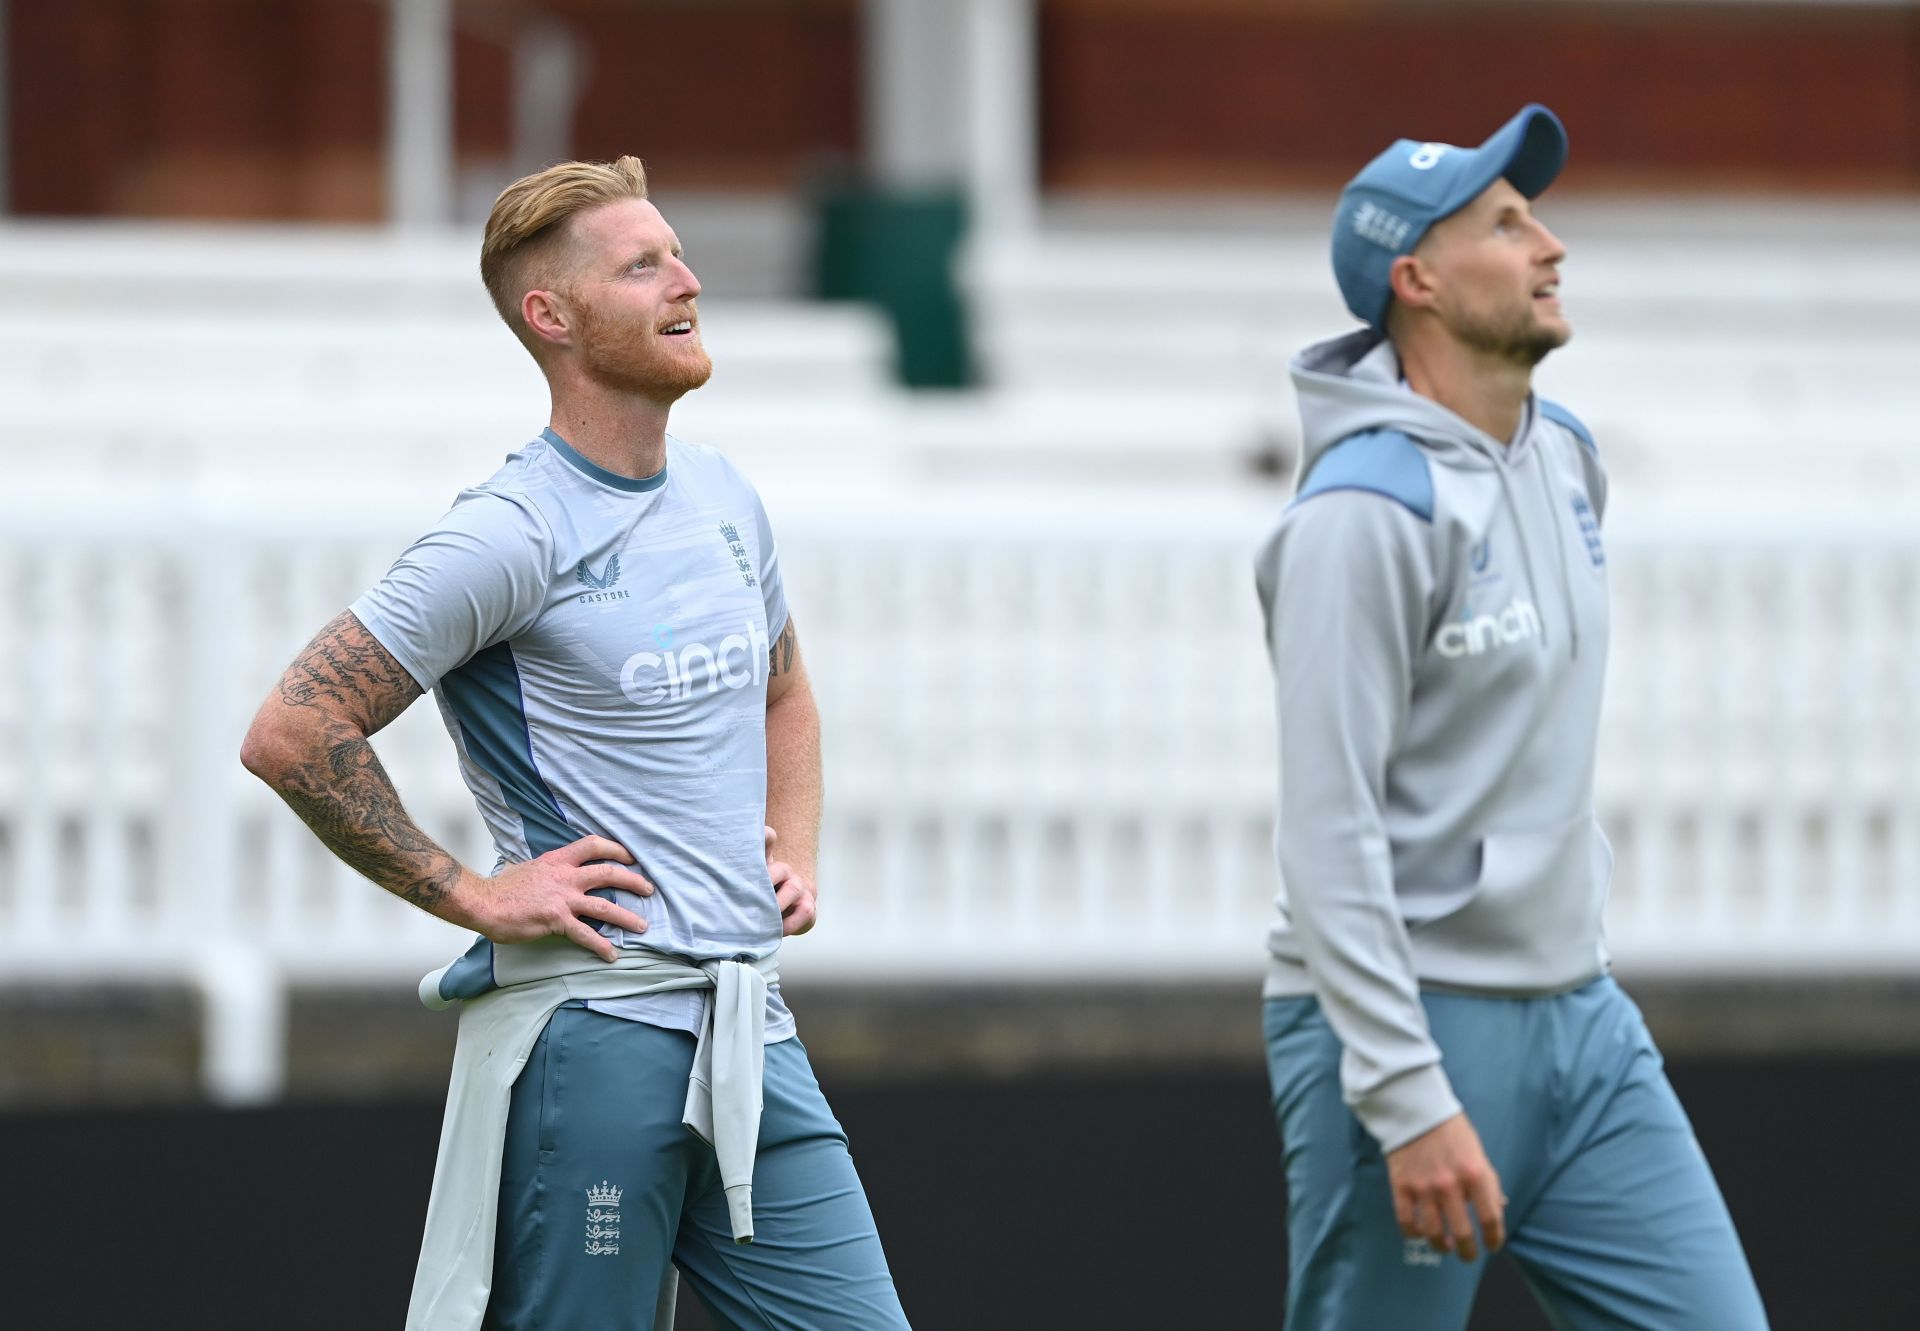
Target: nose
1552	250
687	286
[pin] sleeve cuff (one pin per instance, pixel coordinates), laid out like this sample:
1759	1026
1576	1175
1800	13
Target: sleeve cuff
1407	1106
374	623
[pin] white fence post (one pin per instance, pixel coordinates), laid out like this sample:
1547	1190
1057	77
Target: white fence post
38	882
420	150
243	1032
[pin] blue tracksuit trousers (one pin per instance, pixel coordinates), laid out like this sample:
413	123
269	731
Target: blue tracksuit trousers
1613	1215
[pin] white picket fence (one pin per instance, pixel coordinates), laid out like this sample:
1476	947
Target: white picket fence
1049	745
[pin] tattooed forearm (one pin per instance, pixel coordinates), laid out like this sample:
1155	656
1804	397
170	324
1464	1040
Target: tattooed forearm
780	655
346	797
309	743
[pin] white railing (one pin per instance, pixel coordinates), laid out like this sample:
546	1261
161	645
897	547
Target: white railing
1049	747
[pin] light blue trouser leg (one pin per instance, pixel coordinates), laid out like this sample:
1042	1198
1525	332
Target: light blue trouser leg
1613	1216
815	1261
579	1118
600	1102
1626	1229
1349	1267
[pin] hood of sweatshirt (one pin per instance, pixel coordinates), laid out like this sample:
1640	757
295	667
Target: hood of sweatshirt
1351	384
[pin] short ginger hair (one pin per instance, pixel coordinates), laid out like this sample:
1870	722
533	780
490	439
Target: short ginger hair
527	227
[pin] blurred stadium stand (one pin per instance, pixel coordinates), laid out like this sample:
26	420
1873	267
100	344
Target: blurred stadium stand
244	357
1028	606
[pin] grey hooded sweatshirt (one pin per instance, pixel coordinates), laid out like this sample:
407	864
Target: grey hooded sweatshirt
1436	606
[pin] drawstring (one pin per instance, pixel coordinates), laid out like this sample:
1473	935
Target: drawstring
1500	465
1526	551
1566	578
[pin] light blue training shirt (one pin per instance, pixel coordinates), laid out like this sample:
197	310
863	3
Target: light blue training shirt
598	646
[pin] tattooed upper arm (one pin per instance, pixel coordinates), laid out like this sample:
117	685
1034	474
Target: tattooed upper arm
783	662
780	655
347	675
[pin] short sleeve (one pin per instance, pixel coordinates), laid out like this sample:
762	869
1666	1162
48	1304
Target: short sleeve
479	577
771	587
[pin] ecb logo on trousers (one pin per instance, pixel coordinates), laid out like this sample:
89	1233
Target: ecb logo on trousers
603	1220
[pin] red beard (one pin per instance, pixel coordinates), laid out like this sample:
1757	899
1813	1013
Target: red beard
634	359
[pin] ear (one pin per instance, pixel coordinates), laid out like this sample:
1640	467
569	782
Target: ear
1412	282
547	317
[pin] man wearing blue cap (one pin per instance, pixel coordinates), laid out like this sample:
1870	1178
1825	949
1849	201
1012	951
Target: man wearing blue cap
1445	1042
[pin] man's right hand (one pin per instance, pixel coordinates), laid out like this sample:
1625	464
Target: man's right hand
1435	1177
540	897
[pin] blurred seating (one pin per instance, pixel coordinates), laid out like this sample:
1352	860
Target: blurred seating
1757	352
323	358
349	364
1029	608
1764	351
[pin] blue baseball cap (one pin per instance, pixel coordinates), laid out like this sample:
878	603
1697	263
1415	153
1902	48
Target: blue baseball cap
1387	208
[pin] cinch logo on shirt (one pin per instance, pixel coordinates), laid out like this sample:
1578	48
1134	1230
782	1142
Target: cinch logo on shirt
1483	633
670	675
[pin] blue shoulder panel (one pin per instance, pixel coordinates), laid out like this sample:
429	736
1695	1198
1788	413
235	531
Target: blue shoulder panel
1553	411
1382	462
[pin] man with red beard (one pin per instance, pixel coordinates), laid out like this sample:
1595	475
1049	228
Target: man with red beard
605	630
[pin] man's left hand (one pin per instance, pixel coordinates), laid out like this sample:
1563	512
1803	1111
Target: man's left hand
793	891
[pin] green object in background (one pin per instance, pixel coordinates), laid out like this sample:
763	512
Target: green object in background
896	249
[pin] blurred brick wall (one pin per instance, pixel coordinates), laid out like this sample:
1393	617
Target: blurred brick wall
211	108
276	108
741	92
1234	92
